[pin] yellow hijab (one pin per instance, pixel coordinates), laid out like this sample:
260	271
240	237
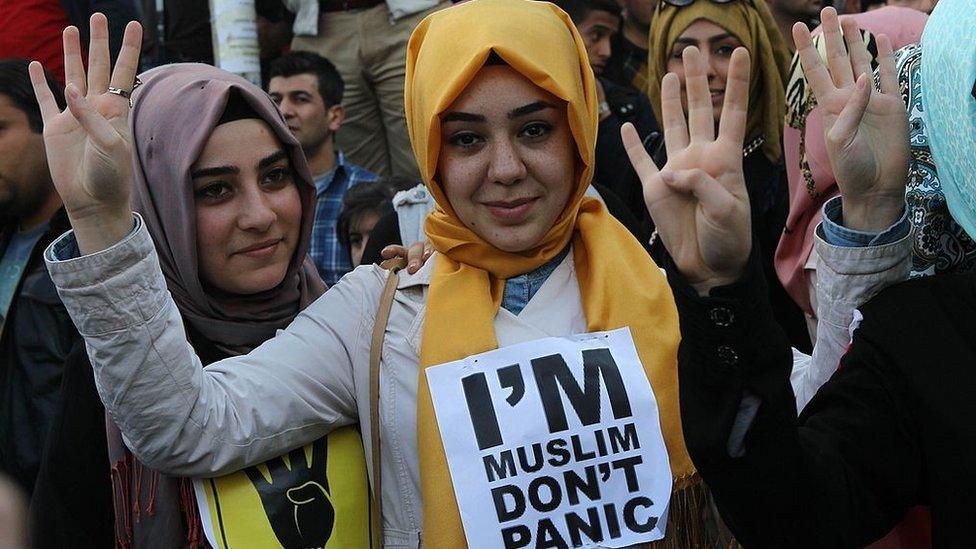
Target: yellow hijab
619	284
752	23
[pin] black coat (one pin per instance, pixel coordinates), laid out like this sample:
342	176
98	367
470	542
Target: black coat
613	169
72	502
769	198
892	428
37	338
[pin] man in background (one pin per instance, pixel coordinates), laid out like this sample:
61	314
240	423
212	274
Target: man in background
36	334
627	65
309	91
367	41
788	12
598	22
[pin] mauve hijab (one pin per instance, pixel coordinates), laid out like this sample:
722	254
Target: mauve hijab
175	111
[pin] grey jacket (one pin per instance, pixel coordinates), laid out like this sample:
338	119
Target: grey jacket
846	279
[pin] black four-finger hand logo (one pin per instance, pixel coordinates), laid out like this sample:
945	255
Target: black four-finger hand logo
297	499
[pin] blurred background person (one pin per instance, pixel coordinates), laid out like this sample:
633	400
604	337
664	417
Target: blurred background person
627	65
309	93
367	41
31	29
598	22
788	12
36	336
362	207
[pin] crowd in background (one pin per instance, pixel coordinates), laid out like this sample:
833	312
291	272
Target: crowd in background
329	160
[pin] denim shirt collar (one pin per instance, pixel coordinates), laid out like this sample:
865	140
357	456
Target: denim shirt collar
520	289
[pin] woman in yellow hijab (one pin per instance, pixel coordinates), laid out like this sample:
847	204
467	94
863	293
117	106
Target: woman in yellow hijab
533	47
502	114
716	29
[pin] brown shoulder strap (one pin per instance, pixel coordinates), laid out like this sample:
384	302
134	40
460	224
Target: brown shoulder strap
375	353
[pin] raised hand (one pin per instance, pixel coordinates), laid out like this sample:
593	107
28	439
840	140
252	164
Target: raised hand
866	129
88	145
698	200
297	499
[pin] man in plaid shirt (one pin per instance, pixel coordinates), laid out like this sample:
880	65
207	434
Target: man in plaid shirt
308	91
628	61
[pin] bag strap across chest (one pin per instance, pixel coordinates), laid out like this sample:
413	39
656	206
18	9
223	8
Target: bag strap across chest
375	353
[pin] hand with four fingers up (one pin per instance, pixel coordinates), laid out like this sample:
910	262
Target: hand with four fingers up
698	200
866	129
88	145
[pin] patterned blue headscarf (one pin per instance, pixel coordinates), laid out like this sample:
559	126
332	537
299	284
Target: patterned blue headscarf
948	76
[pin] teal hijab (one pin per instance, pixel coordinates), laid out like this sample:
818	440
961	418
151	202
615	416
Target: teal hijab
948	81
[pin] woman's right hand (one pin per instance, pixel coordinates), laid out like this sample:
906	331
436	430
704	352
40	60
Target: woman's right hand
866	130
88	145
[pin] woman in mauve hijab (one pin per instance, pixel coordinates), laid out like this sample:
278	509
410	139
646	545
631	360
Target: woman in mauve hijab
223	191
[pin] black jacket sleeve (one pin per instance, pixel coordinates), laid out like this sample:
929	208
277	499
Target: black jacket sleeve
839	476
72	501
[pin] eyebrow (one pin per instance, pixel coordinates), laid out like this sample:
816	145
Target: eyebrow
530	108
525	110
229	170
290	93
272	158
711	39
458	116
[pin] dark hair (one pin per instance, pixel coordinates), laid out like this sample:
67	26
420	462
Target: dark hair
366	198
331	85
578	10
868	4
16	85
237	108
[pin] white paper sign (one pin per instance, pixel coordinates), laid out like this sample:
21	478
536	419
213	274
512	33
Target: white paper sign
235	33
554	443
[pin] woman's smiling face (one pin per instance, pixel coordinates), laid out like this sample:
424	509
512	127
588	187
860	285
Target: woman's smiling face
507	161
248	208
716	45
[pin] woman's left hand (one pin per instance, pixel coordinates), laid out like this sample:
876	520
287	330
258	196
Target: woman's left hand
698	201
416	256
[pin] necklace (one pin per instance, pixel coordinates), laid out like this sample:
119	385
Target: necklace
753	145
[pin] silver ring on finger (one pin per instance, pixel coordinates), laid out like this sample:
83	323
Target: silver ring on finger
121	93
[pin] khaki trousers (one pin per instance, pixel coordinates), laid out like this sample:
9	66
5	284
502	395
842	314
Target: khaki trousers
370	52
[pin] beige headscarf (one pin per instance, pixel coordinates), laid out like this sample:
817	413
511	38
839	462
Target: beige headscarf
752	23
